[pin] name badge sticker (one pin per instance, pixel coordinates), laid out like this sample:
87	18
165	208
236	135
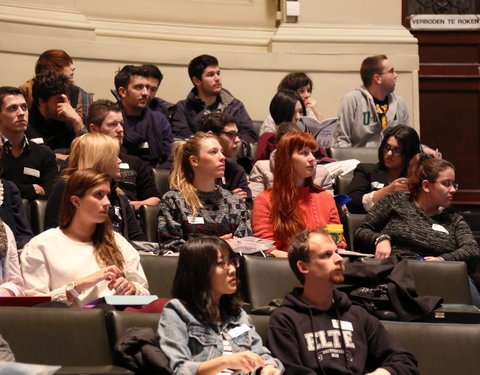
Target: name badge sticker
195	220
377	185
144	145
38	141
439	228
237	331
31	172
124	166
346	326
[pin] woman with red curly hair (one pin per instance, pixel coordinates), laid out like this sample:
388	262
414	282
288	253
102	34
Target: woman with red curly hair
294	203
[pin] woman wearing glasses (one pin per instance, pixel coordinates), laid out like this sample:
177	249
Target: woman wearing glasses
203	330
420	224
371	182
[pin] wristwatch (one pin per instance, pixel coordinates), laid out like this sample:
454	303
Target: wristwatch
71	289
381	238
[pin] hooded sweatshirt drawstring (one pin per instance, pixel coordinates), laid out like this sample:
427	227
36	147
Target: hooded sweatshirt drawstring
315	342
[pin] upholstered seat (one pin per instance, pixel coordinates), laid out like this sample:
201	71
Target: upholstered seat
364	154
160	271
76	339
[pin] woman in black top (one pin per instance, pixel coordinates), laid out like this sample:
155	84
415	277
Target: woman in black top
371	182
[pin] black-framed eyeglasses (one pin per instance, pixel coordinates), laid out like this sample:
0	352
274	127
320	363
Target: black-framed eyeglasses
397	151
235	262
449	184
232	135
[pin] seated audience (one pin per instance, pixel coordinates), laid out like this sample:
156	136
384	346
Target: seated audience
207	96
302	85
11	281
99	152
317	329
135	178
30	166
83	259
147	133
204	330
286	106
420	223
59	60
371	182
294	202
52	120
224	127
196	204
261	176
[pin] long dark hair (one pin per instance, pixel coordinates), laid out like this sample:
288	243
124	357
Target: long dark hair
196	263
408	141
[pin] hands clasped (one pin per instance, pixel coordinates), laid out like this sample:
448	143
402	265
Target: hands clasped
115	278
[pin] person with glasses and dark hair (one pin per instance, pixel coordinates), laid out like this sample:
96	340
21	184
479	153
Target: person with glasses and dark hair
225	128
204	330
366	111
371	182
421	224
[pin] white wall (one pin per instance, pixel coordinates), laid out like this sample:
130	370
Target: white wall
255	51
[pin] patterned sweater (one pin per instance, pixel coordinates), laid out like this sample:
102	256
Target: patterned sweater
223	213
413	232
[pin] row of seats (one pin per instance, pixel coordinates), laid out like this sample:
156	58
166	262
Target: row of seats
81	341
265	279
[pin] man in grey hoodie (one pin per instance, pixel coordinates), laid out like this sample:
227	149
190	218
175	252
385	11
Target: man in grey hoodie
366	111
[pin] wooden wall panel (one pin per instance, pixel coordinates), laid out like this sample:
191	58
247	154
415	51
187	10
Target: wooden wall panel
449	85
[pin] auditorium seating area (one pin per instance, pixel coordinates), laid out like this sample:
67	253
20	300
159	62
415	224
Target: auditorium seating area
82	341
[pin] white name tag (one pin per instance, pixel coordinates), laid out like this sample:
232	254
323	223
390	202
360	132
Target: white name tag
124	166
38	141
346	326
439	228
195	220
237	331
31	172
377	185
144	145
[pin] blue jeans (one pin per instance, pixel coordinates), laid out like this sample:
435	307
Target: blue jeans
474	293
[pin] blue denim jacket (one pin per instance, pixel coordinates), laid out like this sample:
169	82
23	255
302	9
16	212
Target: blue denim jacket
187	342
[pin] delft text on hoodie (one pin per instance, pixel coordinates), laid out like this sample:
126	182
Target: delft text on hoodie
358	123
343	340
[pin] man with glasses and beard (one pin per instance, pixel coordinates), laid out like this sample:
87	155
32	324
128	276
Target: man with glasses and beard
317	330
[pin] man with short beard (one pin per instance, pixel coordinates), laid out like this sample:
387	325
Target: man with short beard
317	330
